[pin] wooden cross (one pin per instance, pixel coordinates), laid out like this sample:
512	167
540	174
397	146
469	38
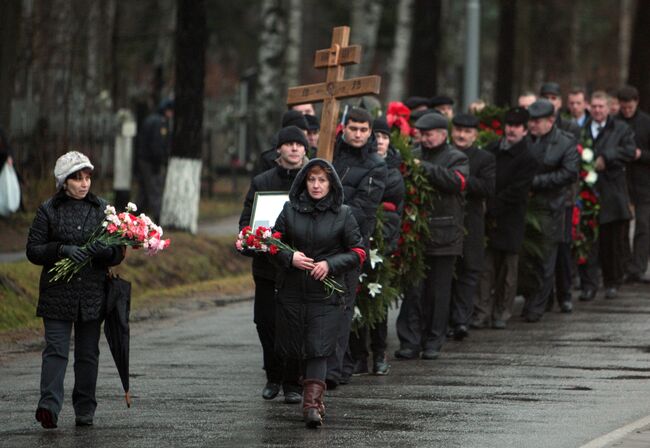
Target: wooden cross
335	87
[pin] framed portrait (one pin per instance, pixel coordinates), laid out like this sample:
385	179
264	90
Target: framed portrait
267	206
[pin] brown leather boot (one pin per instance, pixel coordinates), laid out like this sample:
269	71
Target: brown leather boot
312	402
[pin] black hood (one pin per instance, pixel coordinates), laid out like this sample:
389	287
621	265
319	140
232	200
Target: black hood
298	192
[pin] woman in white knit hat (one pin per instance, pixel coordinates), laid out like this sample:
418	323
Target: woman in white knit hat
63	224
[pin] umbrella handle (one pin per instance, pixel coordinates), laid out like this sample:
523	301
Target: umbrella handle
127	398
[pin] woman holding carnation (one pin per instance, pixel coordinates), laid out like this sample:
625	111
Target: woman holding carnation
62	225
328	243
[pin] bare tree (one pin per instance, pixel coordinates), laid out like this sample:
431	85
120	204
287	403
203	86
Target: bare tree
506	51
401	50
640	54
366	15
425	50
624	38
180	208
271	87
10	20
294	34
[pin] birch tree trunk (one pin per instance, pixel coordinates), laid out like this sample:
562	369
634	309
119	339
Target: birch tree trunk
366	15
401	50
180	206
271	87
293	45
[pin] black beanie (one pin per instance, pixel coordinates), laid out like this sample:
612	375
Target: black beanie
381	125
294	118
292	134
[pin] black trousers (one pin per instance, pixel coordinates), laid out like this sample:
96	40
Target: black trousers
335	362
563	274
277	369
55	362
535	305
638	264
424	315
613	242
464	292
378	336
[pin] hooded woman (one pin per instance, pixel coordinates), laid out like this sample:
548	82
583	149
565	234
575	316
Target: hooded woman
61	226
327	243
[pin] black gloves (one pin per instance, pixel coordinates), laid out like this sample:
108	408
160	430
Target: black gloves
75	253
99	250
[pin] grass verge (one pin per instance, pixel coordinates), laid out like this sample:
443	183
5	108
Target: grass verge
192	268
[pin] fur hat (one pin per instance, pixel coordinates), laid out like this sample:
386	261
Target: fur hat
69	163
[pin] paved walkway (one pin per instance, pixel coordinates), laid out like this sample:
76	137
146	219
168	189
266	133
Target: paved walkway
562	383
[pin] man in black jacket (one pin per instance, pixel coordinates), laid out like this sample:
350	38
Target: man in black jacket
424	315
292	144
558	165
614	147
505	222
363	175
638	181
480	187
392	205
266	161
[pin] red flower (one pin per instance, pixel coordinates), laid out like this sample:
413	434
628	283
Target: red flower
398	115
583	174
496	124
250	241
592	224
406	227
246	230
579	148
400	241
273	249
582	260
277	235
498	132
576	216
483	126
402	168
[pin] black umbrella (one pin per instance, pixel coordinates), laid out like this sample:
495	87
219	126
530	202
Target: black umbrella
116	327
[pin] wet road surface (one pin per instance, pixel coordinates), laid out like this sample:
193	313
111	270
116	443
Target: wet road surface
197	382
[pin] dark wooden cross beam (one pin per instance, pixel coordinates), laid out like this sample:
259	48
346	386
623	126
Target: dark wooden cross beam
335	87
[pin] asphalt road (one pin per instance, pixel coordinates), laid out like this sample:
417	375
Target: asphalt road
197	380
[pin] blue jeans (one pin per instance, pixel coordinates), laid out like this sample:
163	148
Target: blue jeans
55	362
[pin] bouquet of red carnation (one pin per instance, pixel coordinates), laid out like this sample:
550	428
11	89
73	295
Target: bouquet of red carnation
264	240
117	229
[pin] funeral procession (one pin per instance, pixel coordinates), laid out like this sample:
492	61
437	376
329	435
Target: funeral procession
298	223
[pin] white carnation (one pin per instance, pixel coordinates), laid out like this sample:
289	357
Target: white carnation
587	155
591	178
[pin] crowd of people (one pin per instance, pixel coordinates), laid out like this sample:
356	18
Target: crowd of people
476	221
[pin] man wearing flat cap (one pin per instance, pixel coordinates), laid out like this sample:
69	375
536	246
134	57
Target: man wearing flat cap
443	104
505	222
551	91
417	103
447	169
480	187
564	261
558	167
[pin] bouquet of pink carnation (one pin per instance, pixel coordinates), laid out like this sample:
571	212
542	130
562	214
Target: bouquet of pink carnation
117	229
265	240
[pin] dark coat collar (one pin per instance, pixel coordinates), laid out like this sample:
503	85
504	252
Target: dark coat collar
60	197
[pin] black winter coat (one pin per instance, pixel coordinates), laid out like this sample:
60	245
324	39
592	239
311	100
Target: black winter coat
506	210
638	171
275	179
616	144
447	169
558	164
393	193
480	187
308	317
63	220
363	175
